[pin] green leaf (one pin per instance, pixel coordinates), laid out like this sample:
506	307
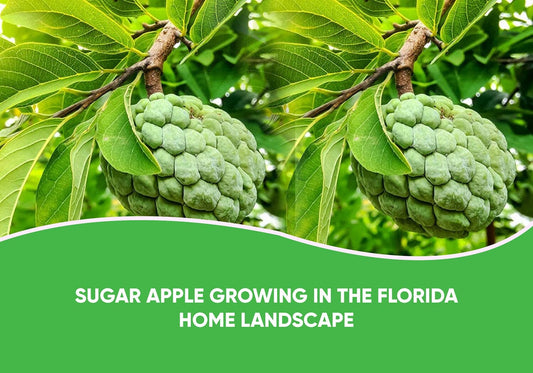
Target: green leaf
9	131
444	82
53	192
453	34
211	17
472	76
331	157
80	161
461	17
222	76
374	8
179	13
305	194
194	81
118	140
77	21
124	8
298	68
506	46
312	188
475	37
62	187
393	43
327	21
5	44
17	158
31	70
519	141
429	12
368	140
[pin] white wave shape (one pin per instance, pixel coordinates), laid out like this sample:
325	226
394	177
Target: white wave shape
271	232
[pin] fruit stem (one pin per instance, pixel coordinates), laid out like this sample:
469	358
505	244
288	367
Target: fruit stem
409	53
491	234
158	54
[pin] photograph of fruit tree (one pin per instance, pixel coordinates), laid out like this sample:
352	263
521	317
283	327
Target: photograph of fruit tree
392	126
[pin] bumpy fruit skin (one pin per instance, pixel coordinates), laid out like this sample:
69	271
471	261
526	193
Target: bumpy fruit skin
210	163
460	168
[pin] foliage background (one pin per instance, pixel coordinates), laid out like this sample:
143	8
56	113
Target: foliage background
231	72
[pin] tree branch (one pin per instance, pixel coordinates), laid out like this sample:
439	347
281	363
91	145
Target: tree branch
510	61
447	5
490	231
151	65
197	5
348	93
438	43
409	53
96	94
158	54
402	66
399	28
511	96
149	28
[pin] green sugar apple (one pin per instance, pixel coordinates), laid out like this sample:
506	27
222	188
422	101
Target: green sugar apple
461	168
210	166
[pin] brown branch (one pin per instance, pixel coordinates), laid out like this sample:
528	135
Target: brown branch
151	65
447	5
491	234
158	54
409	53
438	43
189	44
197	5
511	96
348	93
96	94
399	28
402	66
149	28
509	61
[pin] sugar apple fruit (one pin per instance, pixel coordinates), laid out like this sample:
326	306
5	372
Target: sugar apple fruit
461	168
209	161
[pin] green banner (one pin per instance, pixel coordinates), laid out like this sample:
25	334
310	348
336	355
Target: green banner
169	296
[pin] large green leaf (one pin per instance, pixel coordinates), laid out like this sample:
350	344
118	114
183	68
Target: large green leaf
53	193
179	13
374	8
462	16
5	44
298	68
312	188
368	141
305	194
519	141
447	82
125	8
327	21
331	158
429	12
117	139
77	21
211	17
80	161
195	79
17	158
30	70
62	186
9	131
